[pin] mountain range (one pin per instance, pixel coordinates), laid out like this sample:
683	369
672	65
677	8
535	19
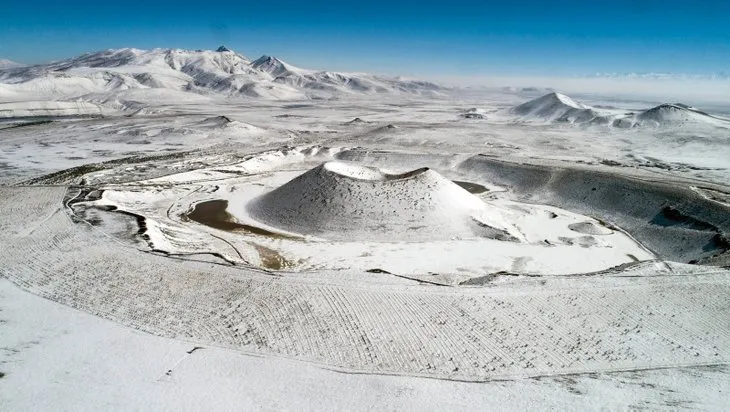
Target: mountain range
119	75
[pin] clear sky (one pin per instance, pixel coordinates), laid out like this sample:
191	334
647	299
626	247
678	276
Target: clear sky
426	38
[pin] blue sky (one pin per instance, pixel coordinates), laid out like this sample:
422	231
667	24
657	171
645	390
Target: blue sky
427	38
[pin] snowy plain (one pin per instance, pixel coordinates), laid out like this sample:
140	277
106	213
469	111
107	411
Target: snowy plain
572	253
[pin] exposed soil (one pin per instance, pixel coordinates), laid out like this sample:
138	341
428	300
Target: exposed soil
473	188
271	259
670	216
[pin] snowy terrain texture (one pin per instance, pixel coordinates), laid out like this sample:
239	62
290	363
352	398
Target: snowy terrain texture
196	229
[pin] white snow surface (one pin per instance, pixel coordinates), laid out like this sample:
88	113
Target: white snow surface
112	297
58	358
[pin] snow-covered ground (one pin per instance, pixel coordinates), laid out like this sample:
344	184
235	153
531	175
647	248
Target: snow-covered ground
189	229
58	358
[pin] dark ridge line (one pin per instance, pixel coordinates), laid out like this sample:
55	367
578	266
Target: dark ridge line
79	171
378	270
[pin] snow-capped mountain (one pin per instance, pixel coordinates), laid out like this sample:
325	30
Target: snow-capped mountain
8	64
335	82
124	74
275	67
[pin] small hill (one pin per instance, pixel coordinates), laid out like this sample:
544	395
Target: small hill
555	107
474	113
670	115
347	201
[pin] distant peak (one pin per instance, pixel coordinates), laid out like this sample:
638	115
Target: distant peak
9	64
556	95
564	99
670	106
272	65
265	58
553	106
223	49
